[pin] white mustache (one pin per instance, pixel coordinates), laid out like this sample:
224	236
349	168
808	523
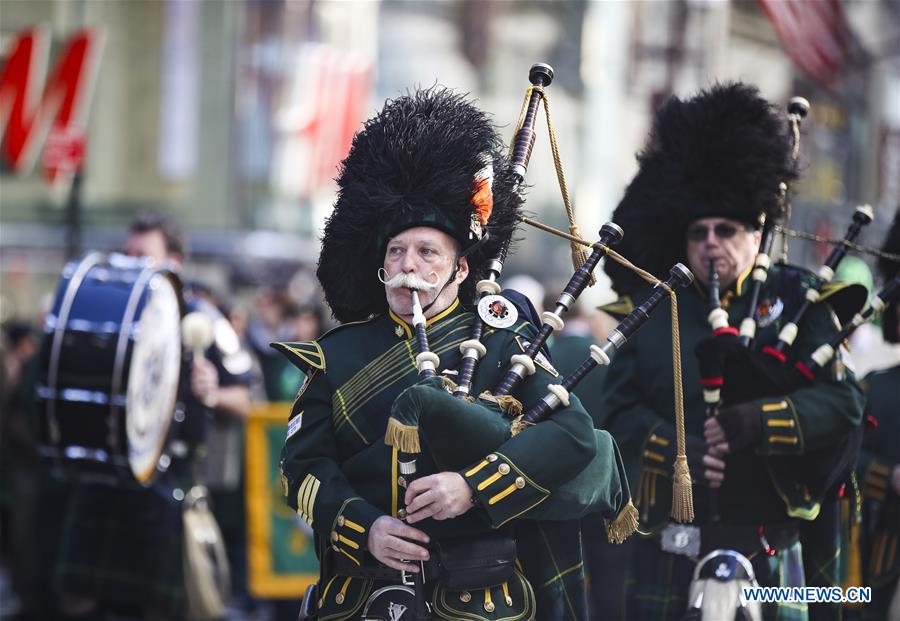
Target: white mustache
409	281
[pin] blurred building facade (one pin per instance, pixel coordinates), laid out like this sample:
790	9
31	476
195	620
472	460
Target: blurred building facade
233	115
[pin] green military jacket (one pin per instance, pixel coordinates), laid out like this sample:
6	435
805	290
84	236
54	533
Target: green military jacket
639	405
880	455
340	476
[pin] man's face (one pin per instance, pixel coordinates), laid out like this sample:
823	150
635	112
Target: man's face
151	244
729	242
431	255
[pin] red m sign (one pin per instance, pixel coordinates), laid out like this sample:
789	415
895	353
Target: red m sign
33	112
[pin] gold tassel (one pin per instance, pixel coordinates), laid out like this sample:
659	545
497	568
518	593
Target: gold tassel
518	426
579	253
509	405
682	500
624	525
405	438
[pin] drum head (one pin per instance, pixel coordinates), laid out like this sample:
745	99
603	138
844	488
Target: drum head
153	377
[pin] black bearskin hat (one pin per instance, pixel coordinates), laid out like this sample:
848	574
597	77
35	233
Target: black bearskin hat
889	269
722	153
429	158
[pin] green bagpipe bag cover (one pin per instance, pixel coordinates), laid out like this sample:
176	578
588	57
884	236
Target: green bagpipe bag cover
455	433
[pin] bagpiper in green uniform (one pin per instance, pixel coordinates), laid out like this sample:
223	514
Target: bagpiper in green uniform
712	166
426	179
879	464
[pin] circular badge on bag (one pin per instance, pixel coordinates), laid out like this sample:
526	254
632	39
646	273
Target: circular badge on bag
497	312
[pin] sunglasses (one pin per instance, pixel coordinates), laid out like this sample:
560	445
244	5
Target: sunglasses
723	230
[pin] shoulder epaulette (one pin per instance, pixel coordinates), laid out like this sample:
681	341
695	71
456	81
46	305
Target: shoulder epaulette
845	298
619	308
305	355
309	355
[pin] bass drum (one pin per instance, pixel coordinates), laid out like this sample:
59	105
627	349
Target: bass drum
111	365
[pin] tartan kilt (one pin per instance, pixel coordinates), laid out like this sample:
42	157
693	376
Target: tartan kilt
124	548
822	563
657	584
554	565
604	563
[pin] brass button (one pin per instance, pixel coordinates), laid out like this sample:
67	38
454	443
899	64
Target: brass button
334	536
509	601
503	468
341	520
339	598
491	457
401	513
401	482
489	606
520	482
465	597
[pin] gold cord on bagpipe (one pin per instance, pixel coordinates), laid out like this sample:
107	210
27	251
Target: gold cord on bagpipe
682	501
578	254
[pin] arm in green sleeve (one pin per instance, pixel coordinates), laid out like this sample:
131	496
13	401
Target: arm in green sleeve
814	416
523	471
314	484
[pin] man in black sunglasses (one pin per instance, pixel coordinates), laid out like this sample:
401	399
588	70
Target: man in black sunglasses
710	171
733	245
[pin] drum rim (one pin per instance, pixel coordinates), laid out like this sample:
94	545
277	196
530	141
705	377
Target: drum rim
84	266
147	477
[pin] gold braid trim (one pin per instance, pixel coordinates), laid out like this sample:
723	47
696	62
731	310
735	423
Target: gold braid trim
405	438
624	525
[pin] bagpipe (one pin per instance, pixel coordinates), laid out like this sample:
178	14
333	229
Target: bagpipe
733	371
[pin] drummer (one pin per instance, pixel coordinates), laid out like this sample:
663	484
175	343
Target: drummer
121	550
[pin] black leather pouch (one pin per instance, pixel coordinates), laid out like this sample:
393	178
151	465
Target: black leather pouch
476	563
